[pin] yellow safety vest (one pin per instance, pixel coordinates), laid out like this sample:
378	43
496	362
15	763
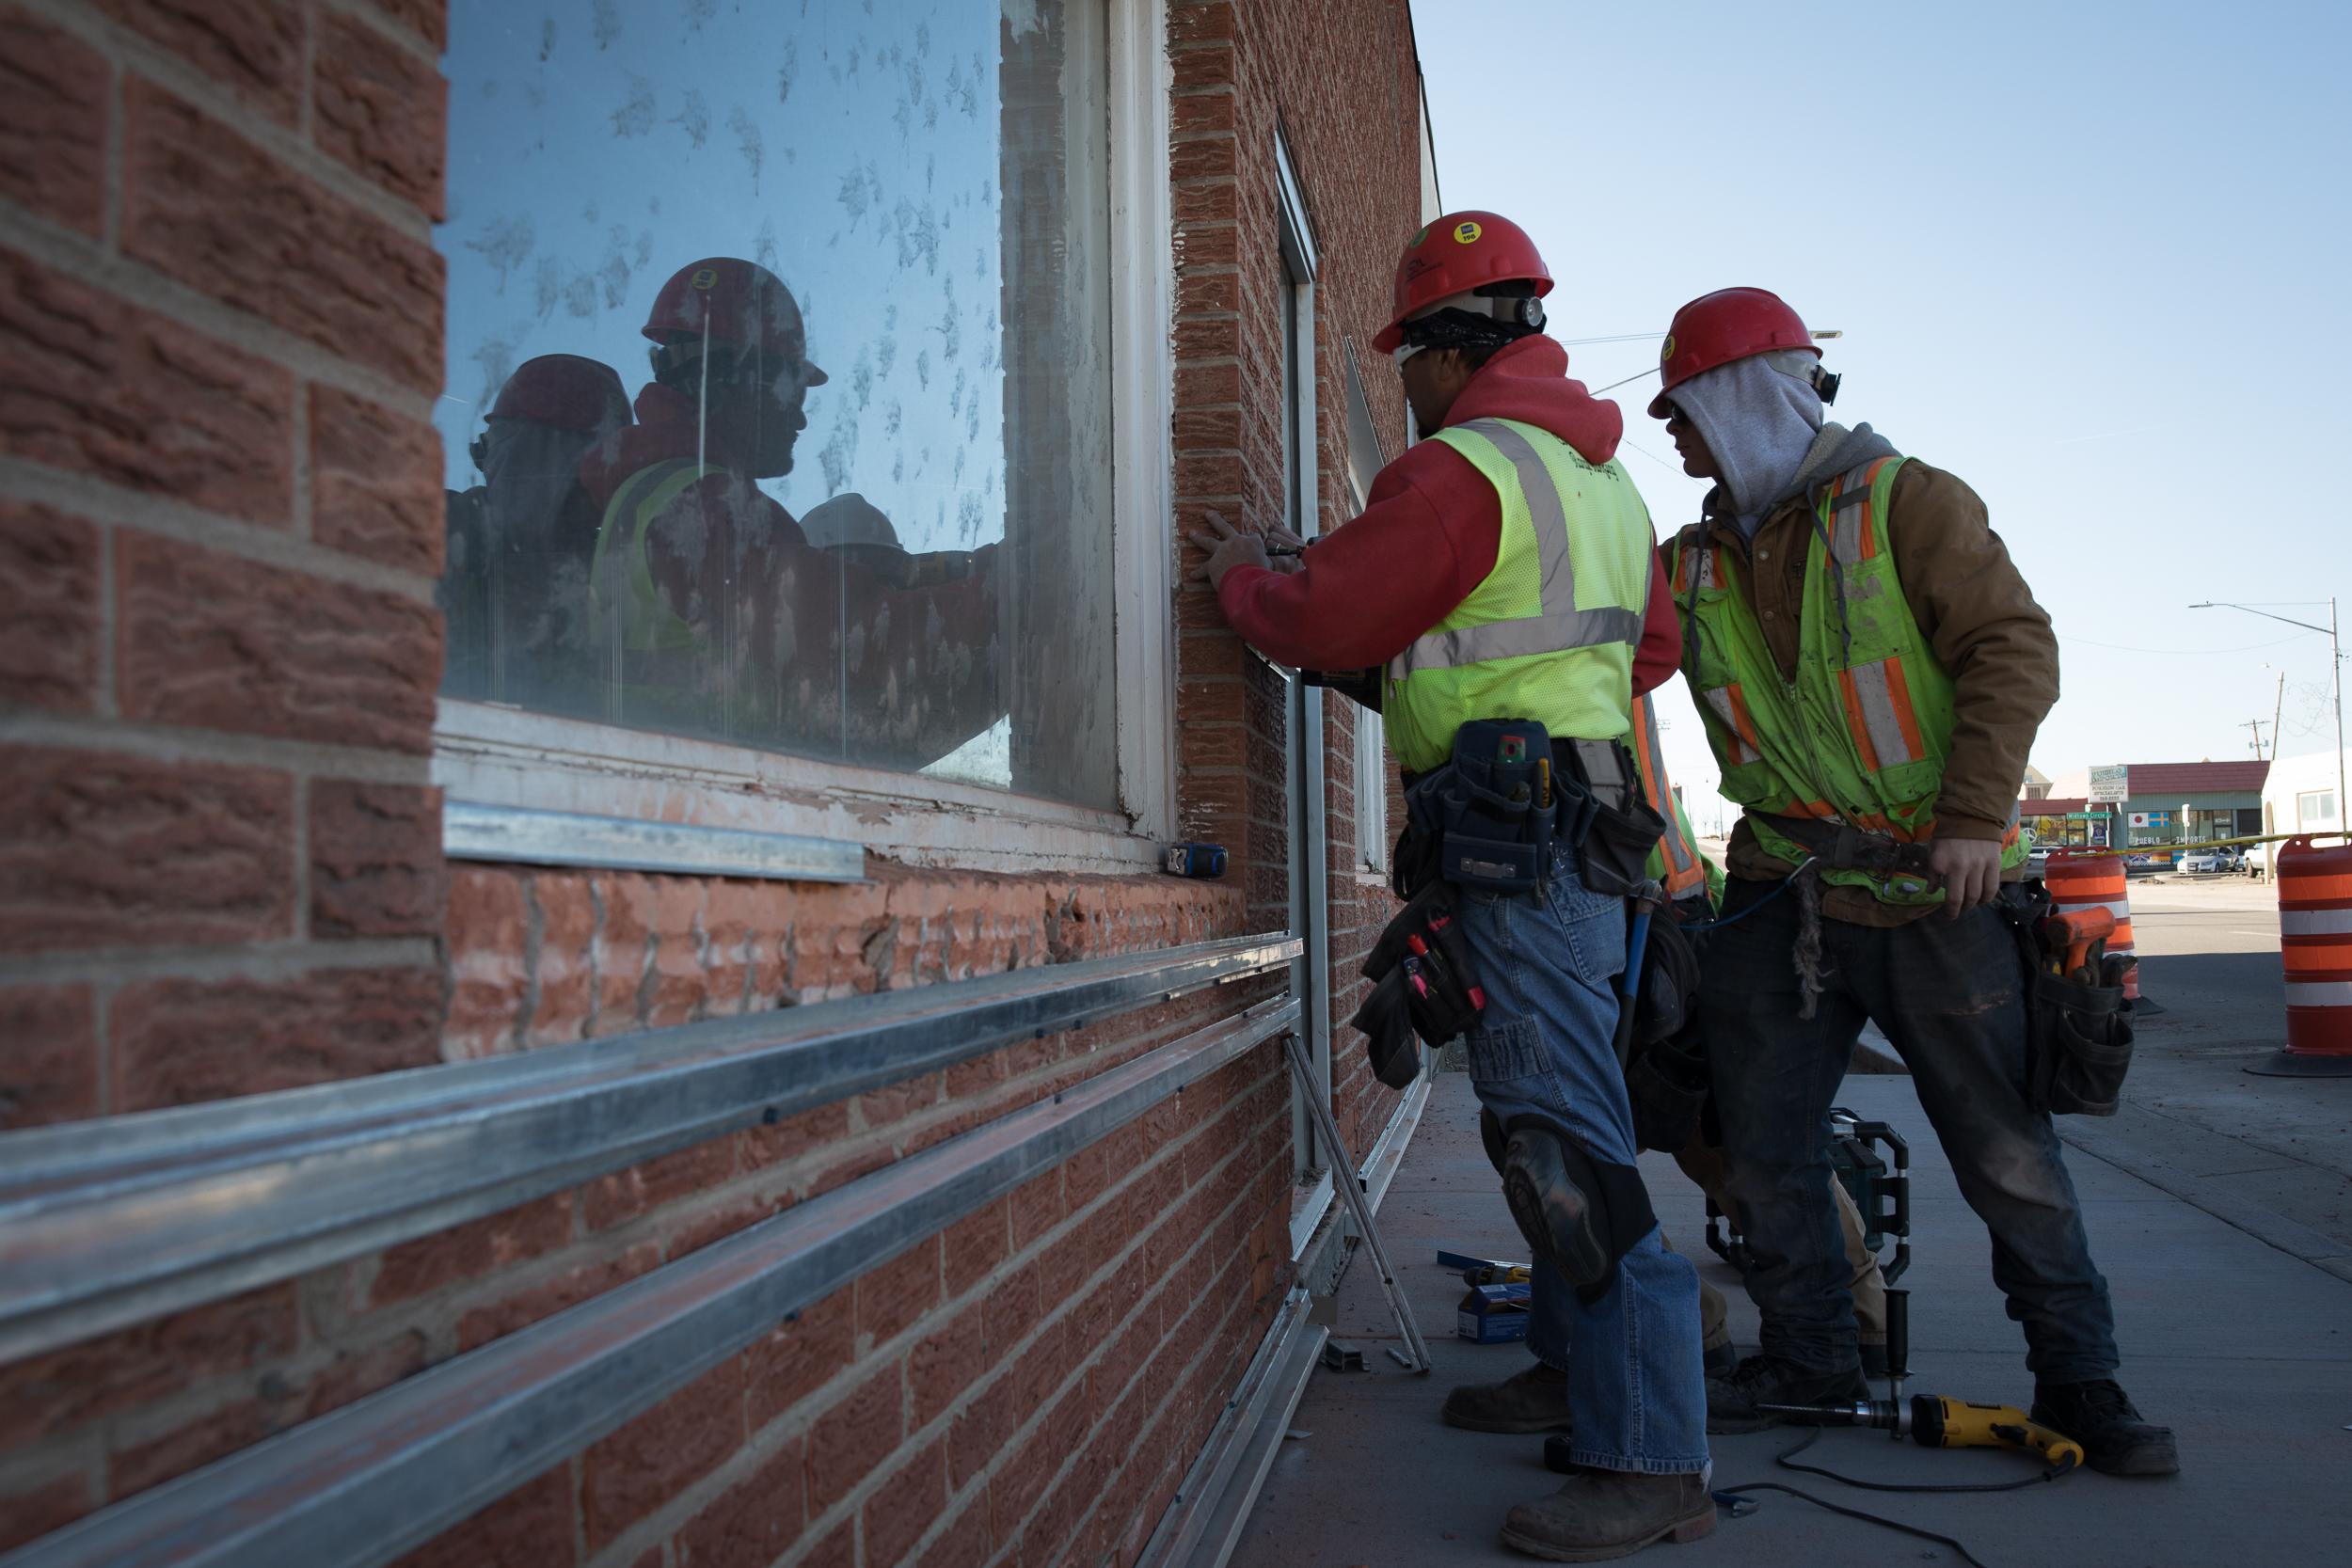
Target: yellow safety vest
1549	634
1860	733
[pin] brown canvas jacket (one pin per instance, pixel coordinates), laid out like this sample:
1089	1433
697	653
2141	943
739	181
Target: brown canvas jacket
1977	613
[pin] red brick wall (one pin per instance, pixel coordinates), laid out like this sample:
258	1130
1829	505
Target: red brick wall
219	525
1340	79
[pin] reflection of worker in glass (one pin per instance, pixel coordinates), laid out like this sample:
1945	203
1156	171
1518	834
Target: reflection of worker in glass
717	614
520	543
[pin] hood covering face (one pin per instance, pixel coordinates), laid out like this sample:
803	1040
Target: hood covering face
1529	382
1758	416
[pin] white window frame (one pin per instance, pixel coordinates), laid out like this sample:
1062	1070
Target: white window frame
1372	734
493	755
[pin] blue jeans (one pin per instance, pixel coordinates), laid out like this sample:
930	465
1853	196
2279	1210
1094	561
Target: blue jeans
1542	1049
1950	995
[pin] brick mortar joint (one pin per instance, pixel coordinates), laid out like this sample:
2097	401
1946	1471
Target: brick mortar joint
77	255
794	1423
161	517
391	29
799	1419
289	144
1077	1447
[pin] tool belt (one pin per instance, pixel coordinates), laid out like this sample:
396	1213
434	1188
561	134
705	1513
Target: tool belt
1513	799
1496	818
1837	846
1842	847
2079	1031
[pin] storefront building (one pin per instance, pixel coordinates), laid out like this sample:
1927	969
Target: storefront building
599	672
2170	802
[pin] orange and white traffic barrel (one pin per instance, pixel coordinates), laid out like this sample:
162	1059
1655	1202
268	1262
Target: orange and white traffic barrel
2315	942
2080	881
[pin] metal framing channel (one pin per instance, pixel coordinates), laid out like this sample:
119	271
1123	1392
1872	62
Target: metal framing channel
1203	1524
519	835
122	1219
358	1487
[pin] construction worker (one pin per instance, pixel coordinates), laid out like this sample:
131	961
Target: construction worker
514	585
717	613
1504	568
1870	669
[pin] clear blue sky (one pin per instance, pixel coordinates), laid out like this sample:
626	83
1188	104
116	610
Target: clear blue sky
2092	258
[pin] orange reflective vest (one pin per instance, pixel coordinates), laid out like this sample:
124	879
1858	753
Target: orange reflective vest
1675	862
1861	731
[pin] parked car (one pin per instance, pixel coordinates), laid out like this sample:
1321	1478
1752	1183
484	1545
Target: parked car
2038	858
2219	858
2255	862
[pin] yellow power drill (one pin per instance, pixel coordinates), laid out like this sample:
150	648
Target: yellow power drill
1934	1422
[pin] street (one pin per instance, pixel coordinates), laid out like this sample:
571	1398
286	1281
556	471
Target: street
2194	1121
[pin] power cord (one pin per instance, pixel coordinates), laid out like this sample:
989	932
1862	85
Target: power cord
1787	1460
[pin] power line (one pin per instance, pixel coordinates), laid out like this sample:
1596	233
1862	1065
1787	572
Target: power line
2193	652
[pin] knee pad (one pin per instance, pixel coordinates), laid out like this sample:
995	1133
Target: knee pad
1577	1213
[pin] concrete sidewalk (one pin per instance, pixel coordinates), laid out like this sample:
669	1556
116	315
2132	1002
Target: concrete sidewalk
2244	1347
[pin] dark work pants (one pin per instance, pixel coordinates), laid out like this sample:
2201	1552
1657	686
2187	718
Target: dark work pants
1950	995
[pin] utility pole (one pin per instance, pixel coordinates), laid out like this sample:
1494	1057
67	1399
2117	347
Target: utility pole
2278	711
2335	676
2256	725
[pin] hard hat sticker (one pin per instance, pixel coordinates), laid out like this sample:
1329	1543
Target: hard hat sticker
705	279
1419	234
1668	351
1465	232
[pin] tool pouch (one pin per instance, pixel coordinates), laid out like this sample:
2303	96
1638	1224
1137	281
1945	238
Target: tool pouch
1486	810
1620	827
1422	985
1665	1075
2078	1043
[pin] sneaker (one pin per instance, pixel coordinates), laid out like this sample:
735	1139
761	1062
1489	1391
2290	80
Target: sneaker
1733	1402
2101	1417
1535	1399
1603	1513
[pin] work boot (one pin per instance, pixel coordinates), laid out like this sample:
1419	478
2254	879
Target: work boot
2101	1417
1535	1399
1719	1361
1733	1402
1606	1514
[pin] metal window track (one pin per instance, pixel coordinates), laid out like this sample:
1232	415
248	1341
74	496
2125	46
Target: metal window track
360	1486
122	1219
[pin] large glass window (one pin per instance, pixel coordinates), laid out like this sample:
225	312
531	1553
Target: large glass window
778	404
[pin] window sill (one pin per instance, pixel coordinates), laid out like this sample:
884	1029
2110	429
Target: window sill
492	755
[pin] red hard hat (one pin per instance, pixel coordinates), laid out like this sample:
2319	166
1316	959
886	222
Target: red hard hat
563	389
735	302
1459	252
1715	329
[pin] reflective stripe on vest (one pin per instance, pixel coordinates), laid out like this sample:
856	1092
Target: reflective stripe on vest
649	624
1861	730
1676	861
1562	624
1519	645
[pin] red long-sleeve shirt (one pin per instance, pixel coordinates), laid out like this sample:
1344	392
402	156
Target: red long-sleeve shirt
1429	535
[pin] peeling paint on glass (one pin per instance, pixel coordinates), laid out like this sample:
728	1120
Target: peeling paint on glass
879	534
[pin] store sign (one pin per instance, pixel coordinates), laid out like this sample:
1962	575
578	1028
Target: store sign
2111	786
2099	831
